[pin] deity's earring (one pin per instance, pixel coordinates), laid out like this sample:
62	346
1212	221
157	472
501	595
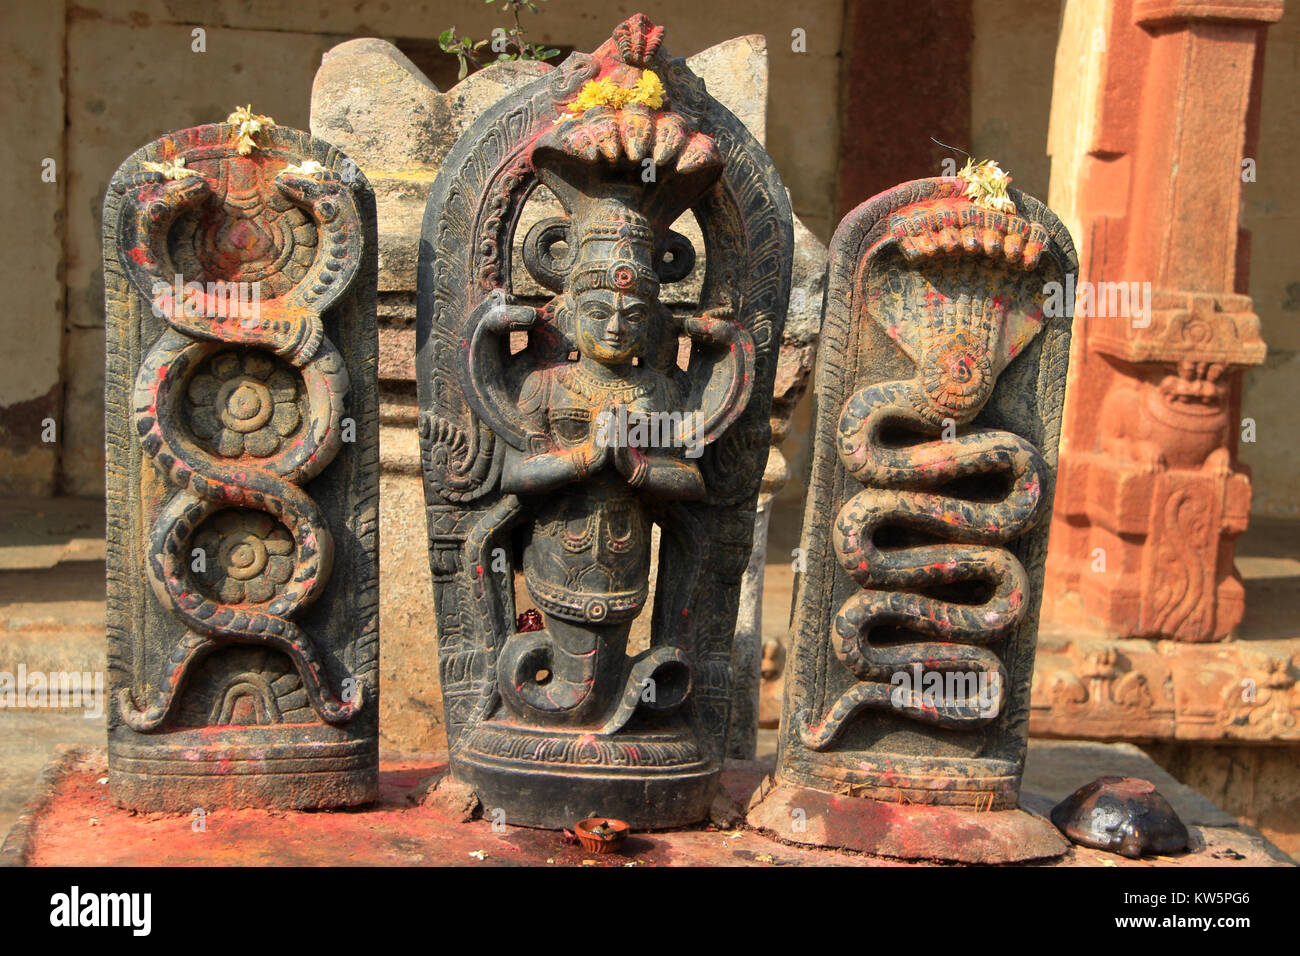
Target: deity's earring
548	269
677	258
663	340
564	321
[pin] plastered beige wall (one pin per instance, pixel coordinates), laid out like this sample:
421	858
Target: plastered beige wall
1011	87
31	209
1271	211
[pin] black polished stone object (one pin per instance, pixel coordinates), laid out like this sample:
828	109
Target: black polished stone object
1125	815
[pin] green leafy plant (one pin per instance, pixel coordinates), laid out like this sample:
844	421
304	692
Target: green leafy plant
507	44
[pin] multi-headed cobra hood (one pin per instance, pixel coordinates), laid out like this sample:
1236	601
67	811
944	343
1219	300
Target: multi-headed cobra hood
969	276
625	163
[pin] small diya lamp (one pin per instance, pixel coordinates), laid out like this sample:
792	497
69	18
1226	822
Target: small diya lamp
601	834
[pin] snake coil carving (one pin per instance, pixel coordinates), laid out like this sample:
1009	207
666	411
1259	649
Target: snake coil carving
956	275
286	340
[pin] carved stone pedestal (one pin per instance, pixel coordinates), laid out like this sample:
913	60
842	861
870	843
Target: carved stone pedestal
907	831
939	383
653	780
242	465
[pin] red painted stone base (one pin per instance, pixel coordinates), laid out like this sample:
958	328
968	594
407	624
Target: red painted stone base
72	822
904	831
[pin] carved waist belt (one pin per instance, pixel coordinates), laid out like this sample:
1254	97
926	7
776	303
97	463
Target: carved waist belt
602	607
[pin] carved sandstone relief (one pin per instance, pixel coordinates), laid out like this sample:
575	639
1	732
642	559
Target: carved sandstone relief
1153	497
242	467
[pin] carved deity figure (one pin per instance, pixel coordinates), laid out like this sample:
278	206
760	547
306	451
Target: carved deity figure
591	491
557	434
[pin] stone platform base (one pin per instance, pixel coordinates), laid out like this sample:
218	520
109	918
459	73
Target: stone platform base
281	767
904	831
71	821
554	801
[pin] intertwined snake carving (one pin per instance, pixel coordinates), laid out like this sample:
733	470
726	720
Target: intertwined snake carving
962	329
290	327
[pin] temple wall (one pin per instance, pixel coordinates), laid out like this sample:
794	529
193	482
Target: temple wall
94	64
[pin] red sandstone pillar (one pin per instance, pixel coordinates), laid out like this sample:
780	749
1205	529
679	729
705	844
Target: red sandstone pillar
1151	498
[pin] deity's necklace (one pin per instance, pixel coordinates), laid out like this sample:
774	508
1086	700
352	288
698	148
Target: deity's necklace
596	391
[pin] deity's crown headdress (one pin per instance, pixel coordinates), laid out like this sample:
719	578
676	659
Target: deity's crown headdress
614	250
625	157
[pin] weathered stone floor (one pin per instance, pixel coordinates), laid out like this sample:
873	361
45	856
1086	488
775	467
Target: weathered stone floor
74	824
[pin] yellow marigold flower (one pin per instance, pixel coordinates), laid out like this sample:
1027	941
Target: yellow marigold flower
986	185
616	96
605	92
593	93
648	90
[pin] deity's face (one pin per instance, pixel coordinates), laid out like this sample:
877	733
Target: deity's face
611	327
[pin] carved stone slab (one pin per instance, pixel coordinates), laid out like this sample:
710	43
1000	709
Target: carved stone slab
242	473
1106	689
402	154
939	388
540	535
